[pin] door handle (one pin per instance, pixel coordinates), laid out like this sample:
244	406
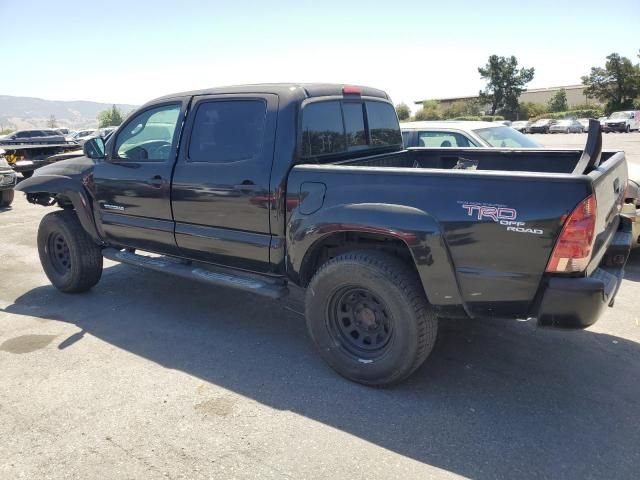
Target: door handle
156	181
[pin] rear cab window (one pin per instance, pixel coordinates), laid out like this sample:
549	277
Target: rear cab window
338	127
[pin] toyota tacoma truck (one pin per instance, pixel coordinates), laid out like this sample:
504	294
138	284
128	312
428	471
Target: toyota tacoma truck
263	187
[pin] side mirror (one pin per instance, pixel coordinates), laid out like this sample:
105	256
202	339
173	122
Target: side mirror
94	148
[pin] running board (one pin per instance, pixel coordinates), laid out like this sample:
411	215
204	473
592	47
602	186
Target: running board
212	275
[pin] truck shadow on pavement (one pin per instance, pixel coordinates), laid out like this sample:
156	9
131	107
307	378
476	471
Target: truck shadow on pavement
496	399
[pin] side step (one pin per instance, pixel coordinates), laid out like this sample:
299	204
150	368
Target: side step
212	275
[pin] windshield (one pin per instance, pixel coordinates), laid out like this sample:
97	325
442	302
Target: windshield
505	137
619	115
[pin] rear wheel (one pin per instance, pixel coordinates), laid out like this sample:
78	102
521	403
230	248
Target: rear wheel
369	318
628	129
70	259
6	198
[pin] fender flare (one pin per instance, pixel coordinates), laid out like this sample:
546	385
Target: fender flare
70	188
418	230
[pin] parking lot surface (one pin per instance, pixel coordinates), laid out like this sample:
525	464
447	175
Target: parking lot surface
151	377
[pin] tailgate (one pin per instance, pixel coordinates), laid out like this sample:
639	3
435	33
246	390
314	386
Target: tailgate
609	181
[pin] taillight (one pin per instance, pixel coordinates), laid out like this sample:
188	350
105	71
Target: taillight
573	248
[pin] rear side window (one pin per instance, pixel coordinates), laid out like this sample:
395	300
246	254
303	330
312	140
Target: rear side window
333	127
227	131
383	124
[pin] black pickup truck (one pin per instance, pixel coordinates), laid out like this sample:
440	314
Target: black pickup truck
263	186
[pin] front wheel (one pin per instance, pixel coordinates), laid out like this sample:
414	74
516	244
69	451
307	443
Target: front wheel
6	198
369	318
628	129
70	259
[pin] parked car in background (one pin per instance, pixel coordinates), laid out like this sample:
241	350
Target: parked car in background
521	125
566	126
602	120
82	135
463	134
7	182
62	131
542	126
622	121
506	123
32	135
105	132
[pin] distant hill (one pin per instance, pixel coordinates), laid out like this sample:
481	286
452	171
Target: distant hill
29	112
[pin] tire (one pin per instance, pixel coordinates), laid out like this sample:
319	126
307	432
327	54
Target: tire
6	198
27	174
628	129
70	259
381	299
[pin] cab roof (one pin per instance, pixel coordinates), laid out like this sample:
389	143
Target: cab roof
290	91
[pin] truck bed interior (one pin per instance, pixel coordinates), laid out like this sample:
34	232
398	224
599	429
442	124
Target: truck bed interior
534	160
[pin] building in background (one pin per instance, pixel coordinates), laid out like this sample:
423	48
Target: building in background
575	96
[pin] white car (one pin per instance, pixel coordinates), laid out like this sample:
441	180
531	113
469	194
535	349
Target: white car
81	135
624	121
443	134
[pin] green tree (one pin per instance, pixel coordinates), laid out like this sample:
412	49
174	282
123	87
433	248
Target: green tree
430	111
403	111
558	102
110	118
616	85
461	108
530	110
52	123
505	83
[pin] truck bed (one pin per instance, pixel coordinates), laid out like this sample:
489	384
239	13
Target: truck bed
418	194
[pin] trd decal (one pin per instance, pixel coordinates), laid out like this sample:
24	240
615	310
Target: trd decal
494	213
500	214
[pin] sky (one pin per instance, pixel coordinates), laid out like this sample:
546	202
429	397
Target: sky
130	52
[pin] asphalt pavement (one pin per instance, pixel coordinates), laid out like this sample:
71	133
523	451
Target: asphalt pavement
151	377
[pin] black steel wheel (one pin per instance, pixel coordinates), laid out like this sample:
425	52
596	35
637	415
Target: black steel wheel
58	252
360	322
70	259
369	318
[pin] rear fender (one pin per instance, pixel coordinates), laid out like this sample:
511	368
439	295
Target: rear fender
419	231
43	189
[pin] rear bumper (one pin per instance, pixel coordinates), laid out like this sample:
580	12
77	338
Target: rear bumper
578	302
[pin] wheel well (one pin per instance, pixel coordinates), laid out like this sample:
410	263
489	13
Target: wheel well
47	199
341	242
